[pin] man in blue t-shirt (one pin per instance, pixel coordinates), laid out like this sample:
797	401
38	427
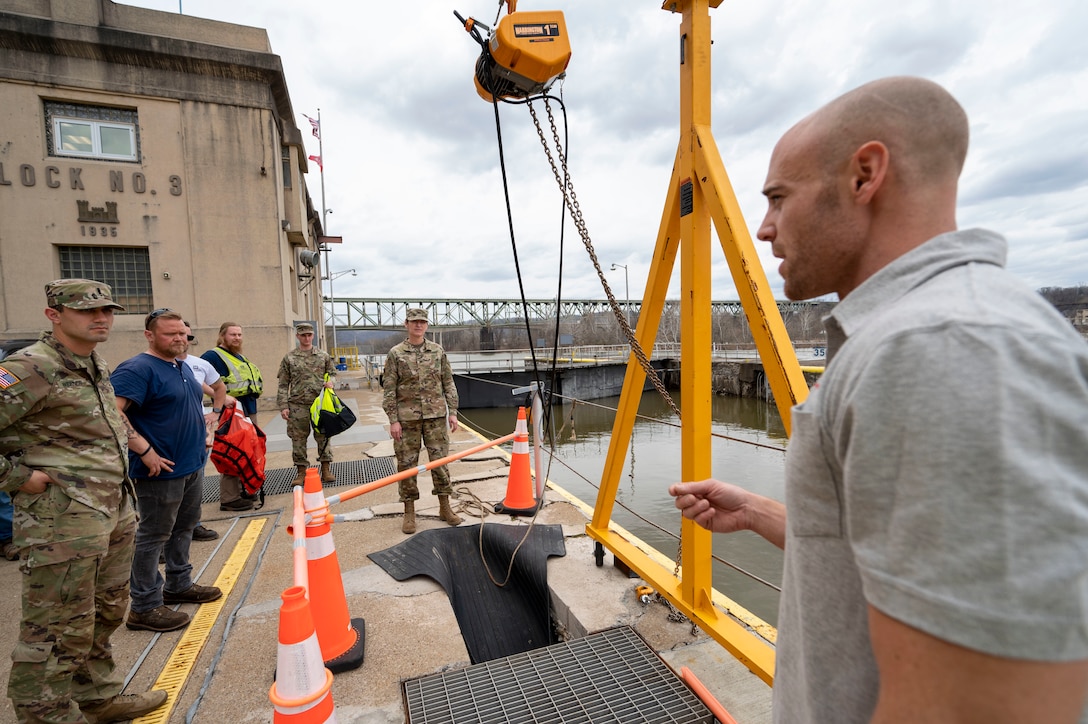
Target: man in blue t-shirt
161	404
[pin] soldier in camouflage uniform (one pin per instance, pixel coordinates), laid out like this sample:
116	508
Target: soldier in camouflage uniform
419	399
64	459
301	378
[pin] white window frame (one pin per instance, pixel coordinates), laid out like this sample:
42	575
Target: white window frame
96	138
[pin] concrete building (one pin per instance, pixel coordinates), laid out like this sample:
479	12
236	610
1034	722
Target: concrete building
159	153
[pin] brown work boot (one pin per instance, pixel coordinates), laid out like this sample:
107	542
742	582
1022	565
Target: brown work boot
326	473
196	594
409	525
204	533
157	619
300	479
237	506
123	706
445	512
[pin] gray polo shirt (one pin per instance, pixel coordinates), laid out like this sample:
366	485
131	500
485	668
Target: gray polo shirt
938	472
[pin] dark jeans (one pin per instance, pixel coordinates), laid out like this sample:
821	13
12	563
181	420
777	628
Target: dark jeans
169	510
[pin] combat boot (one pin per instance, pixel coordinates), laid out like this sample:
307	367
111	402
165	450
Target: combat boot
300	479
445	512
326	473
123	707
409	525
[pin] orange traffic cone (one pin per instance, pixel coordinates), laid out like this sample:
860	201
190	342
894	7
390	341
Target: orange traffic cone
522	424
519	485
341	637
301	694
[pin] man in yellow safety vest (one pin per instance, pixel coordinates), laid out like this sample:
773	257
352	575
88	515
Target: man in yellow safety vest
244	383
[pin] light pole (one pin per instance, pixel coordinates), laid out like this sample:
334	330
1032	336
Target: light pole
332	299
626	293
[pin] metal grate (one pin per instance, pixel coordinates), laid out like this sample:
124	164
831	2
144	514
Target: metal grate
611	676
278	481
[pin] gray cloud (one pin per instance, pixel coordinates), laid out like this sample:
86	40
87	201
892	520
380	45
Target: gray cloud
412	159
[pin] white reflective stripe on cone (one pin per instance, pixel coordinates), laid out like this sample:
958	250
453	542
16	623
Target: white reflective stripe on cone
299	673
320	546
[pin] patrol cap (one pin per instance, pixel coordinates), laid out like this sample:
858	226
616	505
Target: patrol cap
416	313
80	294
304	327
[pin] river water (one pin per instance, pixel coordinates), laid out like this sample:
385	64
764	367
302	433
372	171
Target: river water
582	432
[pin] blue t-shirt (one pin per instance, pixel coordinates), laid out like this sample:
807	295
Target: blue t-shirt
165	407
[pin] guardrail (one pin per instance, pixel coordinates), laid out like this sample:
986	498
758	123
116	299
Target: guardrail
518	360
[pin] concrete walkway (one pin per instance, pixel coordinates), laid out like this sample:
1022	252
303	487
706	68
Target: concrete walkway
410	627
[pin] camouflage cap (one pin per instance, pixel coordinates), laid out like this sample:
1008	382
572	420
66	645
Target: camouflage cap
304	327
416	313
80	294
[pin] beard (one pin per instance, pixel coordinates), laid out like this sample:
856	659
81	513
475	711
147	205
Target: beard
168	350
826	252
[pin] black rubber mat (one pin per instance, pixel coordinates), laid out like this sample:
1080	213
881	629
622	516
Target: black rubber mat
495	621
278	481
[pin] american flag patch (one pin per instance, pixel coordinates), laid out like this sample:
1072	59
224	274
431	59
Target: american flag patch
7	379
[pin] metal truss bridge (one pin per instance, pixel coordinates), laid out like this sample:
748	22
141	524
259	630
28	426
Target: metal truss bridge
388	314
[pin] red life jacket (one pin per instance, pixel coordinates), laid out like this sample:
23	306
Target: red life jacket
239	449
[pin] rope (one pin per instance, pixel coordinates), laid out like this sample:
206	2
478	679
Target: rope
556	458
644	418
485	510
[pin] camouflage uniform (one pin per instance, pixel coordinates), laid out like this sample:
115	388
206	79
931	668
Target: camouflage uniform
58	415
301	378
419	394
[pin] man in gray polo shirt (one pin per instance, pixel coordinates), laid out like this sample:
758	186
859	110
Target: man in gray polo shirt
936	547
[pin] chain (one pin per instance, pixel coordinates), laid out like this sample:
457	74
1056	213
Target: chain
763	314
675	614
571	201
569	421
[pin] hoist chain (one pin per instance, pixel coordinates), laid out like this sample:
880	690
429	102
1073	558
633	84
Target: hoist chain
676	615
571	201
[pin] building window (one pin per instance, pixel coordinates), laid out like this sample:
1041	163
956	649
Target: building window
92	131
126	269
285	155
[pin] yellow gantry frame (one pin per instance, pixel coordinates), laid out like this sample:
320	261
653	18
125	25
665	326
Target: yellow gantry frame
699	192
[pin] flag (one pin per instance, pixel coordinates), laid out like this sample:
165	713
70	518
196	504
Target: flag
7	379
316	125
317	160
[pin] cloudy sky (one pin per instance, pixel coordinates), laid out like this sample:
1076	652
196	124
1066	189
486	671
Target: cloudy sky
412	171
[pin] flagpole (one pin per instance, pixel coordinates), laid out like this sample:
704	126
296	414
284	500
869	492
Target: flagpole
319	159
325	228
321	167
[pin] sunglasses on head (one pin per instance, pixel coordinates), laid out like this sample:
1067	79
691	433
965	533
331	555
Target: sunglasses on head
155	315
